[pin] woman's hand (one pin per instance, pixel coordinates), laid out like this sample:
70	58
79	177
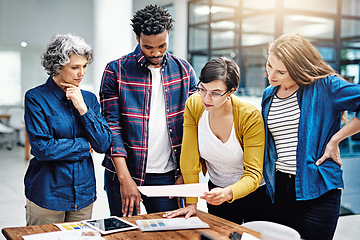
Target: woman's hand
188	211
73	93
91	149
331	151
218	195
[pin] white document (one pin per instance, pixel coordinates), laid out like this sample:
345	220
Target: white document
58	235
182	190
171	224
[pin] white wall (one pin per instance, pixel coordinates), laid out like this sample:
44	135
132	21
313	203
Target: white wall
112	33
36	21
104	24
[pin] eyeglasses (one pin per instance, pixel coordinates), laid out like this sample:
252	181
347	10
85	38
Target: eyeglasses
203	93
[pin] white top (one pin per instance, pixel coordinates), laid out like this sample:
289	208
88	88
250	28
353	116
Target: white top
224	161
159	147
283	123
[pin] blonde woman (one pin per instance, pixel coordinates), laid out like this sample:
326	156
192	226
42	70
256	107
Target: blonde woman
302	111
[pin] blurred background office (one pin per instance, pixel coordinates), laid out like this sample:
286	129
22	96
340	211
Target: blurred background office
203	29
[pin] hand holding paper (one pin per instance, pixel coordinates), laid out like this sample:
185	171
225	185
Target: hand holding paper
182	190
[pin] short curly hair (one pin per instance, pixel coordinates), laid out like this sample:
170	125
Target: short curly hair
151	20
59	50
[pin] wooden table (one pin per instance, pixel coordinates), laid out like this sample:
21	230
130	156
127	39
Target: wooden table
219	230
5	116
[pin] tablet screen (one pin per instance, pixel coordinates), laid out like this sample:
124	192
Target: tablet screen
111	224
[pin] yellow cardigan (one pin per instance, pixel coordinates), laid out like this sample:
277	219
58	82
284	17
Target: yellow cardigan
249	129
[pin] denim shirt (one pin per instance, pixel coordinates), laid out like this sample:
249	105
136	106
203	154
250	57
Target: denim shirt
61	175
125	94
321	105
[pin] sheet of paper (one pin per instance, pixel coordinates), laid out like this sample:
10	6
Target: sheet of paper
171	224
182	190
59	235
71	226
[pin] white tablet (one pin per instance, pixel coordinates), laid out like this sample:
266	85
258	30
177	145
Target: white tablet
110	225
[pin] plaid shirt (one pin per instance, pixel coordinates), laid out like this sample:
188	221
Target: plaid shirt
125	94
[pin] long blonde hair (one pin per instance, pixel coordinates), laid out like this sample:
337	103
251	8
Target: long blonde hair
301	59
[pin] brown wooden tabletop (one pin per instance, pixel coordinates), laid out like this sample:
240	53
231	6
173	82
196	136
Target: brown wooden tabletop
5	116
219	229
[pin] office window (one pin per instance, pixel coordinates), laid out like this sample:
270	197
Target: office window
327	53
229	3
352	71
351	43
228	53
198	37
258	4
350	7
257	30
199	12
311	27
222	39
350	28
10	74
350	54
219	13
253	81
198	63
323	6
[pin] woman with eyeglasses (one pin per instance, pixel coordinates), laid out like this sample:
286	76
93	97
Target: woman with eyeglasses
224	136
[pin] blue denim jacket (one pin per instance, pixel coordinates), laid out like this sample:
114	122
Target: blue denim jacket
321	104
61	175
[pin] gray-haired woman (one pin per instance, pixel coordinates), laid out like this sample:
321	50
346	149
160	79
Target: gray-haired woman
64	126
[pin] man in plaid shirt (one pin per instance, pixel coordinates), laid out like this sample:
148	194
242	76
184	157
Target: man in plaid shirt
143	97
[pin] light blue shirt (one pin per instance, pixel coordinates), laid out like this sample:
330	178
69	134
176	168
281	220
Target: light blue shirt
321	104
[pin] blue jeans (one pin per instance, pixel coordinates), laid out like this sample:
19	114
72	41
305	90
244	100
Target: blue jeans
313	219
152	204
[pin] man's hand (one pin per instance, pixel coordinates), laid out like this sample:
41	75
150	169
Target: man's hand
130	197
73	93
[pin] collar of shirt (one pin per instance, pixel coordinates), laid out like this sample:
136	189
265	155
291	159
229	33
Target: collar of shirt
55	89
142	60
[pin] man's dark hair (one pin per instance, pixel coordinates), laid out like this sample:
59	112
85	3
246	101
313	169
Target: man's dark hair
151	20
